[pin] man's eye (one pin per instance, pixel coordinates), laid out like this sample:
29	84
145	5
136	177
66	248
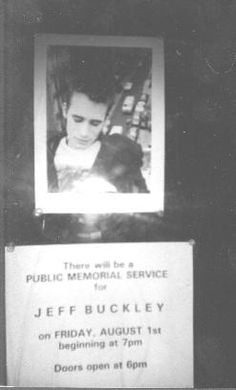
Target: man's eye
78	119
95	123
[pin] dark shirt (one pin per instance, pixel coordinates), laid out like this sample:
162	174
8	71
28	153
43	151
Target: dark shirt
119	161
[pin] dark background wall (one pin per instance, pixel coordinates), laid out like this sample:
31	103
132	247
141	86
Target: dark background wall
200	84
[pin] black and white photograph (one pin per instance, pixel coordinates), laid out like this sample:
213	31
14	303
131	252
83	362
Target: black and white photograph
117	194
95	127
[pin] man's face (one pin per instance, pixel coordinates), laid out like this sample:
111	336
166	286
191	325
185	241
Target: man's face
84	120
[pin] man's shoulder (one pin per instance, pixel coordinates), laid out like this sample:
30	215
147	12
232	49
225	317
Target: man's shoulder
121	144
54	141
120	161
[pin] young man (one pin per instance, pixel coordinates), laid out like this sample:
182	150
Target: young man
82	158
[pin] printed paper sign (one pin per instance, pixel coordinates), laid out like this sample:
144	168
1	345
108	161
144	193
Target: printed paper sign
100	315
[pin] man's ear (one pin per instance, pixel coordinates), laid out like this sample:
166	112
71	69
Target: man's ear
64	110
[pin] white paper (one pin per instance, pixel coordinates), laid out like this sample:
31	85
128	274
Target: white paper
57	337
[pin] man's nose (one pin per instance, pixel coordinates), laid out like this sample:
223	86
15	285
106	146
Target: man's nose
84	129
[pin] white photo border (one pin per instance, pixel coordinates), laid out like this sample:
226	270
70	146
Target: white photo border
72	203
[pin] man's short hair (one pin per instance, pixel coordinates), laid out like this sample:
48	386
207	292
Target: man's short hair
95	80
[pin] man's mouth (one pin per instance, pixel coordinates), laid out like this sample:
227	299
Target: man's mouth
82	141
